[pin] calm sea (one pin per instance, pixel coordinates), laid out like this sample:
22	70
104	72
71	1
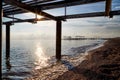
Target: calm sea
27	55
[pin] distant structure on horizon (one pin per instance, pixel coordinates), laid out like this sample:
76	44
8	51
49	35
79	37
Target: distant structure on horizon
82	38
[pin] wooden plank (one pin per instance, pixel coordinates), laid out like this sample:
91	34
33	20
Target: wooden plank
29	8
58	39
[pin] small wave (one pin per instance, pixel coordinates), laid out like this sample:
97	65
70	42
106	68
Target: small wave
68	62
15	75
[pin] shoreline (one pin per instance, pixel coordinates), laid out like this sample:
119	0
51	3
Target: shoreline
88	67
102	63
67	63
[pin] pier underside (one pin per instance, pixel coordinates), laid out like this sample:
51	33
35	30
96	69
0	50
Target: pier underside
14	7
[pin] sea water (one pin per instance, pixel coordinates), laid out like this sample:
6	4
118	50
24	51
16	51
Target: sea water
27	55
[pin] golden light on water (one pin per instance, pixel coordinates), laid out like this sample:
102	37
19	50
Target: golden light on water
41	57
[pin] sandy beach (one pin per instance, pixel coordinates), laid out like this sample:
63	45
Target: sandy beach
102	63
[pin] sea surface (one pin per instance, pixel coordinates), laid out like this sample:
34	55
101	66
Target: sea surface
27	55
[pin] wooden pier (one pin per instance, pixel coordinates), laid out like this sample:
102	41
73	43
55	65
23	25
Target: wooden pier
13	7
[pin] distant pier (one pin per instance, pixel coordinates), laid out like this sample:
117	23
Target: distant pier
83	38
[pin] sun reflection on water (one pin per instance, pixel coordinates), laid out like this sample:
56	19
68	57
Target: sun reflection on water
42	59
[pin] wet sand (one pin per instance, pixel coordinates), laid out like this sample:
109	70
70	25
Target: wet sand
102	63
56	69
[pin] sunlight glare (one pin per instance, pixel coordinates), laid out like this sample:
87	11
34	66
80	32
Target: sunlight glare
41	57
39	17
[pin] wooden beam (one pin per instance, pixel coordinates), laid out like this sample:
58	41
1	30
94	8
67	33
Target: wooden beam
85	15
26	20
108	7
29	8
32	3
53	5
58	39
66	3
16	18
7	41
11	17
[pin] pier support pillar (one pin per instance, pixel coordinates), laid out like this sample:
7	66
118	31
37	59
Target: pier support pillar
108	7
7	41
1	43
58	39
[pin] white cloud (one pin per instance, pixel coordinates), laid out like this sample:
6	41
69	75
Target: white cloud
117	7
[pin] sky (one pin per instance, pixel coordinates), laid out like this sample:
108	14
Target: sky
88	27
